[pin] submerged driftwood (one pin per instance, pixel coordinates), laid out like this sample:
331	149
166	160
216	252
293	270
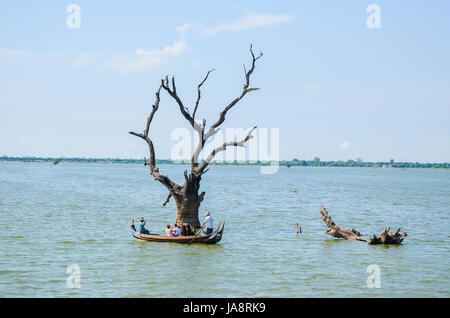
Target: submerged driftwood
388	238
351	234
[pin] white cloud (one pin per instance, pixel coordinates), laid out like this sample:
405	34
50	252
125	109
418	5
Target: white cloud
250	21
85	59
185	27
142	60
24	141
345	144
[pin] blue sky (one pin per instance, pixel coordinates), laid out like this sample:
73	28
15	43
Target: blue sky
334	87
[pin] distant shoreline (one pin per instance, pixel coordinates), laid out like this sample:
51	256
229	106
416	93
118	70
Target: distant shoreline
286	163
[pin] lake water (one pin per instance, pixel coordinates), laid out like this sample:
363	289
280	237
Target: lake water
53	216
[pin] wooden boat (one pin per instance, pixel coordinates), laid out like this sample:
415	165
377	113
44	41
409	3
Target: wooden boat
212	238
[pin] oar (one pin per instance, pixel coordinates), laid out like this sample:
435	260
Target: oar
198	232
190	242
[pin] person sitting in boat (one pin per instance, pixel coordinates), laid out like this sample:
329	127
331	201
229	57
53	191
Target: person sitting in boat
168	230
142	228
209	221
191	230
176	230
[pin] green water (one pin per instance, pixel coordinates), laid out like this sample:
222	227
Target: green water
56	215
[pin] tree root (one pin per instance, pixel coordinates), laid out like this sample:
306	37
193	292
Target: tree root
388	238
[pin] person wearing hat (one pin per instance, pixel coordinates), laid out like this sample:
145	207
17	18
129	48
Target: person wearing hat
142	228
209	221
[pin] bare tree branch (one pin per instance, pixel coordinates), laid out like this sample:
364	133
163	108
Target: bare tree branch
167	199
184	111
201	196
254	59
199	94
198	149
154	170
245	90
203	137
200	170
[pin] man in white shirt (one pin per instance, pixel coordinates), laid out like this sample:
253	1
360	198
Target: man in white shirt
209	221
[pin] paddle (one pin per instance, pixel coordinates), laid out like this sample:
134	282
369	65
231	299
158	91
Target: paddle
190	242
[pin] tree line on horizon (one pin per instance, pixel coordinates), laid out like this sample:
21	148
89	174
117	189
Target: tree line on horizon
316	162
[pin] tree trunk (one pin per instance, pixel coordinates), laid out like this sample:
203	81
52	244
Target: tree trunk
337	231
187	210
186	197
188	201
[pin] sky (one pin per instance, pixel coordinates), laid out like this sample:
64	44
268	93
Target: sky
334	86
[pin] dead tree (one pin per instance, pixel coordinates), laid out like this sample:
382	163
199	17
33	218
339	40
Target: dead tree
336	231
351	234
186	196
